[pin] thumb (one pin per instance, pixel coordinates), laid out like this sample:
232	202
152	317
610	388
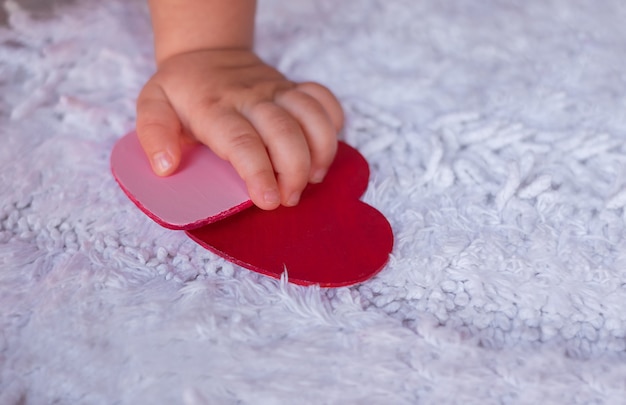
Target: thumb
158	129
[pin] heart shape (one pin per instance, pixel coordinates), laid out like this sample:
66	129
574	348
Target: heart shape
203	189
330	238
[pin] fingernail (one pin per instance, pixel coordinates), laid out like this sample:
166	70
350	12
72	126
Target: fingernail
271	197
318	176
293	200
162	162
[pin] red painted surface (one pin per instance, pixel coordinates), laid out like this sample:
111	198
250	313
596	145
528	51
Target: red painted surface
331	238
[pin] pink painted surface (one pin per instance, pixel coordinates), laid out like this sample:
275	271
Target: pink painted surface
204	189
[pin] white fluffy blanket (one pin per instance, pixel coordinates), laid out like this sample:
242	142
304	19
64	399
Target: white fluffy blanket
495	132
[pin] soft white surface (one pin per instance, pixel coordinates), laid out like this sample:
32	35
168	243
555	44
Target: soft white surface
495	132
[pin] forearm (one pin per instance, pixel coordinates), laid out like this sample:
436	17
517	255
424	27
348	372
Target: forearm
189	25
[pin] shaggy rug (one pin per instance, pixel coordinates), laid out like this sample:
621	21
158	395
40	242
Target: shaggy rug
495	133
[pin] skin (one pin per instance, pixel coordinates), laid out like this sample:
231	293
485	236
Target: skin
211	87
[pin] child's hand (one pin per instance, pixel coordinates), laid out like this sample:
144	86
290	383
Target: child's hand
278	135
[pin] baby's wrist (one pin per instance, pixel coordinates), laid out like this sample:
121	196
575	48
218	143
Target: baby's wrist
222	56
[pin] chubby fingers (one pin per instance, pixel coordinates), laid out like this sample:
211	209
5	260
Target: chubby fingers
277	146
158	129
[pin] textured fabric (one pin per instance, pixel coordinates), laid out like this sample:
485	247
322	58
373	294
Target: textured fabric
495	134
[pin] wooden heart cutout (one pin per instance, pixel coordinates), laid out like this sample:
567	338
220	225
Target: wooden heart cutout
330	238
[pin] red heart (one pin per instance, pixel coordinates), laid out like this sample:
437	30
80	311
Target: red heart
330	238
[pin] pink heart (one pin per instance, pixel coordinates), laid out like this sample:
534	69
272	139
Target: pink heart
204	188
331	238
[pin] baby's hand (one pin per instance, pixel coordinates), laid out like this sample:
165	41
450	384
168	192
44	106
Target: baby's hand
278	135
